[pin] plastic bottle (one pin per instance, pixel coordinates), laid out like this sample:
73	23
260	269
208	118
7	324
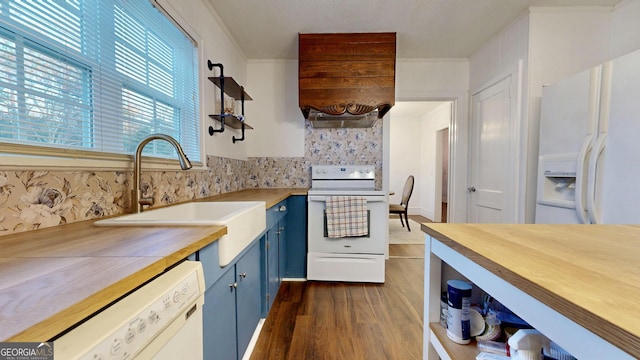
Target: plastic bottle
494	347
443	309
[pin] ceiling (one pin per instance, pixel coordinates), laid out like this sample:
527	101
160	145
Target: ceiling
268	29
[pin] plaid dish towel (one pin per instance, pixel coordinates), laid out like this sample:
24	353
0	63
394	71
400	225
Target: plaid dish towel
346	216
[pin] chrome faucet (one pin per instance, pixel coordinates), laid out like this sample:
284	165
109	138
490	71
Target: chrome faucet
137	200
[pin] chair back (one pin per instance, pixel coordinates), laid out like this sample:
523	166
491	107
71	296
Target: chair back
407	191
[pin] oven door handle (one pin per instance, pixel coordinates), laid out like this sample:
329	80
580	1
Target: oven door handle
322	198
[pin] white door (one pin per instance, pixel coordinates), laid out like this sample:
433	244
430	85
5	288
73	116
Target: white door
493	152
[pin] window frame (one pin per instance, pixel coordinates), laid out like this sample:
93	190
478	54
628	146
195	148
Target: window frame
17	155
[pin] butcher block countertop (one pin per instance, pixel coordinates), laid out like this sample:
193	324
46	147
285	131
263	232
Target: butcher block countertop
53	278
588	273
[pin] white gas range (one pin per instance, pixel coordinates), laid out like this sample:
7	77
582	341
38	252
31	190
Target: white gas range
349	258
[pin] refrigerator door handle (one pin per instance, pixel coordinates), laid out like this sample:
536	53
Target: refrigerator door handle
581	172
592	206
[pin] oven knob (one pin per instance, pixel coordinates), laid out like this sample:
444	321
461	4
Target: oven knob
153	317
116	346
142	325
129	336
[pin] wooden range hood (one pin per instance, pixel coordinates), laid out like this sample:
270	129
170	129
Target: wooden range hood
346	79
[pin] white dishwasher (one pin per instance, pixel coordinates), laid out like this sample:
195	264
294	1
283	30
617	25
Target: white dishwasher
160	320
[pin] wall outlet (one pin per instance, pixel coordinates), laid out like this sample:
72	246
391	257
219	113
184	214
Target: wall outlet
229	172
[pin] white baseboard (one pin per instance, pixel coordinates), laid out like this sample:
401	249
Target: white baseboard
253	341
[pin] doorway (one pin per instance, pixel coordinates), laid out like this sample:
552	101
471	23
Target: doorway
419	146
442	175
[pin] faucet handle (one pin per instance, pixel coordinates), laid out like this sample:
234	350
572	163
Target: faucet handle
146	201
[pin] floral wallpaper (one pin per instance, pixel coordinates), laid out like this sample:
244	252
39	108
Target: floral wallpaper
31	200
345	147
322	147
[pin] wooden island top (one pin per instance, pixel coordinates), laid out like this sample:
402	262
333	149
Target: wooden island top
53	278
588	273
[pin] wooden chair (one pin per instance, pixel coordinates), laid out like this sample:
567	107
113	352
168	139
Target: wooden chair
402	208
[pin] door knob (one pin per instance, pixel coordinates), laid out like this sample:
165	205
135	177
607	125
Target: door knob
471	189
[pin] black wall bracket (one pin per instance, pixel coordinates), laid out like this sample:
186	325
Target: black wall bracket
211	65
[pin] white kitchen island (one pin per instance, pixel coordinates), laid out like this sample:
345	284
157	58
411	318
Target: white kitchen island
577	284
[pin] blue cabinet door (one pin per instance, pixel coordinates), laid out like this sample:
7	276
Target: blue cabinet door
282	249
264	276
296	238
248	299
272	265
219	316
271	254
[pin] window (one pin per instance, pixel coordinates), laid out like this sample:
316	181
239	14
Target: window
97	76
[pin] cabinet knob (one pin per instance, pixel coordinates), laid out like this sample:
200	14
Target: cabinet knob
233	286
471	189
243	275
282	208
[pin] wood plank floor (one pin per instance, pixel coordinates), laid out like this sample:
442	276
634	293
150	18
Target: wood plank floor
330	320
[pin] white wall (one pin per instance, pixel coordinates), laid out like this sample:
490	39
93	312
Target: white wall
565	41
422	77
625	33
436	120
442	80
274	113
406	158
500	53
215	44
413	152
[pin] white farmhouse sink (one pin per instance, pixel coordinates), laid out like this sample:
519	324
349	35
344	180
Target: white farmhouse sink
245	220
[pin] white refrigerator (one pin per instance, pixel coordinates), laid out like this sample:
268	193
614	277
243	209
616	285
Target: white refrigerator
589	150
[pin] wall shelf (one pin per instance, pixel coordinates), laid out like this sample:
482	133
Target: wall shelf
231	121
231	87
228	86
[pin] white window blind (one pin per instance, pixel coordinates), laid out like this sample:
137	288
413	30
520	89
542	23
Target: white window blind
96	75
